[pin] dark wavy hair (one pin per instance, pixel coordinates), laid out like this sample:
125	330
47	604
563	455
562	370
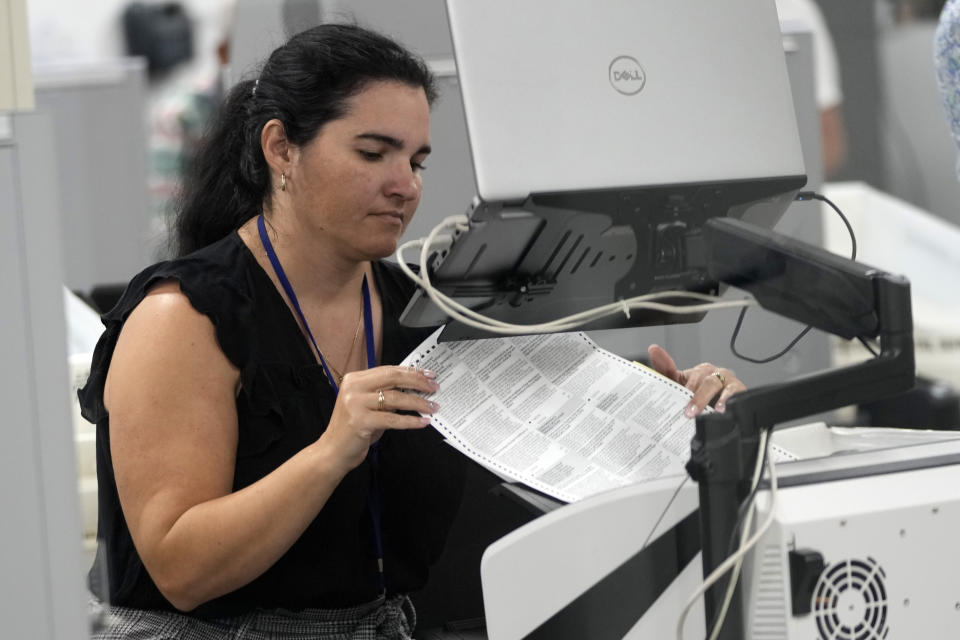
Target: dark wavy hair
305	83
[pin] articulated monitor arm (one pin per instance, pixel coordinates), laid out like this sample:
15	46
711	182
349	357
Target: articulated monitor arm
808	284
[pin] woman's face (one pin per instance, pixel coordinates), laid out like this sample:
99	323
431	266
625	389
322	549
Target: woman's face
358	181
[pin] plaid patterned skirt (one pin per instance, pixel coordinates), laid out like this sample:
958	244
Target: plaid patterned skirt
392	618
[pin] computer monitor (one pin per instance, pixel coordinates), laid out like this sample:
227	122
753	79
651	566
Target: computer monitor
602	137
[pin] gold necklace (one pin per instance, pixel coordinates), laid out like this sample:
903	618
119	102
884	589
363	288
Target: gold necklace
336	373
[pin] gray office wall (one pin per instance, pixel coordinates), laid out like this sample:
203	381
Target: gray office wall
421	24
100	138
855	30
919	151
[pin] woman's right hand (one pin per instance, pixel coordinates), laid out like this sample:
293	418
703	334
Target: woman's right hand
360	417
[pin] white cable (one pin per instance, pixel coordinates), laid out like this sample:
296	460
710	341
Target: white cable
744	531
569	322
738	555
476	320
451	307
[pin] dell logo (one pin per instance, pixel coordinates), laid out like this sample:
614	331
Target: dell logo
627	76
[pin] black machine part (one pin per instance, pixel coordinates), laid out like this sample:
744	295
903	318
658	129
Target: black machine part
930	404
726	445
805	568
553	255
160	32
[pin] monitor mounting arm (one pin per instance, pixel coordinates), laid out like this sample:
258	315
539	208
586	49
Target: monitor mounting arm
813	286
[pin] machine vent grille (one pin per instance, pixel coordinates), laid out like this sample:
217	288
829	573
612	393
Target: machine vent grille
850	601
769	620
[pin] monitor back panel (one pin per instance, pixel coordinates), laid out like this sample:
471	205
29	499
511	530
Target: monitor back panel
571	95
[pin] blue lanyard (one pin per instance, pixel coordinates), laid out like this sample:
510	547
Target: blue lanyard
373	498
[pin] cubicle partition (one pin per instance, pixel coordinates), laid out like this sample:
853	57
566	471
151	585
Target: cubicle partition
42	592
99	123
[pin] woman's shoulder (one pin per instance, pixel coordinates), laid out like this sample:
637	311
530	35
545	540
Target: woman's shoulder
165	303
166	338
214	282
214	275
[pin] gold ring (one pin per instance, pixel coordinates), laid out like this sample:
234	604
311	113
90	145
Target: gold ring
723	381
380	399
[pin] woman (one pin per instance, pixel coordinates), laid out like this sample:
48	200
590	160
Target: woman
256	478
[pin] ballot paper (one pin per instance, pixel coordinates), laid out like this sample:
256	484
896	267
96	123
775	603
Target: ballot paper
557	412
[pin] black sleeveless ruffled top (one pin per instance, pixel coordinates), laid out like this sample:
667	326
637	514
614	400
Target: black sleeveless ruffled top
284	405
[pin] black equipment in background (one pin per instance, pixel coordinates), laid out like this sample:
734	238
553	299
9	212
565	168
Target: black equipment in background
161	33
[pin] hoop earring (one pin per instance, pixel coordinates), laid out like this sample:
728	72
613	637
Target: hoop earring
283	181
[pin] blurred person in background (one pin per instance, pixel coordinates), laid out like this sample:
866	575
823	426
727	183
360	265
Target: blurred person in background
179	120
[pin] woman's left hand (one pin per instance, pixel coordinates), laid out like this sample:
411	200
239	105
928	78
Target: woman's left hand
707	381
